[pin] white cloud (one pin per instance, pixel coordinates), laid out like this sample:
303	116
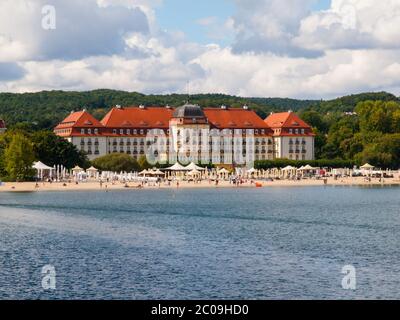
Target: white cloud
83	28
353	24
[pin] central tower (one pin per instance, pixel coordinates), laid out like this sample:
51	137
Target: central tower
189	132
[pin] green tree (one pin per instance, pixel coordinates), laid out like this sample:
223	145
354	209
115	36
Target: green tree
19	158
54	150
116	162
143	164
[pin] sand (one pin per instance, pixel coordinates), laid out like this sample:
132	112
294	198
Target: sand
95	186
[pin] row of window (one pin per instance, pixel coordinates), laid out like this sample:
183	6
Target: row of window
297	142
156	131
297	157
297	131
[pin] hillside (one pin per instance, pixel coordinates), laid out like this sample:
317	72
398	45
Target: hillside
45	109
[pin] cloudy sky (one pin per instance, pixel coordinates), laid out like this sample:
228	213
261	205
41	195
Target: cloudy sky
267	48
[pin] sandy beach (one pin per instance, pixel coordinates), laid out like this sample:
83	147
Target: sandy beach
95	186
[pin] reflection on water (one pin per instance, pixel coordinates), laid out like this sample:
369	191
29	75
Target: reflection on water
285	243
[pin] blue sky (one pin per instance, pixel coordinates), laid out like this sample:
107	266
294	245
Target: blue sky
183	15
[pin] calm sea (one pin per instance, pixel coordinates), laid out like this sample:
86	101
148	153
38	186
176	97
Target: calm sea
280	243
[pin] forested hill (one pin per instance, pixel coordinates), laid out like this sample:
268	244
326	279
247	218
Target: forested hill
45	109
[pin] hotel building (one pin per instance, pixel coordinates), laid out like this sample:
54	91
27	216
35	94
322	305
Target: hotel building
127	130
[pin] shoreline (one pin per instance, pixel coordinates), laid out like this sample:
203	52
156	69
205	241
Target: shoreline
23	187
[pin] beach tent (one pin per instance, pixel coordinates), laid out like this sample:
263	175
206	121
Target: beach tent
158	173
252	171
92	172
40	167
177	167
194	172
77	169
144	173
193	166
289	168
367	166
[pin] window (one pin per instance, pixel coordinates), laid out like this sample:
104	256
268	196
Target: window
128	131
96	131
121	131
297	131
291	131
82	131
302	131
114	131
135	131
142	131
89	131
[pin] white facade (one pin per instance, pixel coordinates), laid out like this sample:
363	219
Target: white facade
295	148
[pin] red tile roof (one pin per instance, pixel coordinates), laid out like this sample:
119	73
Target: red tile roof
149	117
286	120
234	118
81	119
285	124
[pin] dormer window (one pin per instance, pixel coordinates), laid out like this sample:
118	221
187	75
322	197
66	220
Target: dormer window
96	131
82	131
290	131
114	131
89	131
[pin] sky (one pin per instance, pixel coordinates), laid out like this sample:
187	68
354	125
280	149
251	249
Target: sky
308	49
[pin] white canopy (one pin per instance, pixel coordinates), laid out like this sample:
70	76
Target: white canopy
223	171
158	173
308	168
93	169
194	172
193	166
144	172
177	167
77	168
252	170
41	166
367	166
289	168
